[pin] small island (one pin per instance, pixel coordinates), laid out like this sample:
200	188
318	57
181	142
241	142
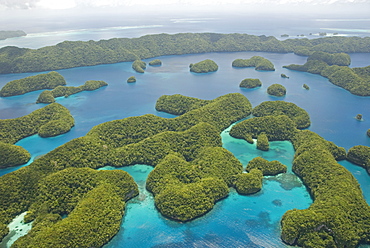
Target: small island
306	87
156	62
283	75
11	34
284	35
38	82
359	117
139	66
48	96
250	83
258	62
204	66
368	132
131	79
276	90
268	168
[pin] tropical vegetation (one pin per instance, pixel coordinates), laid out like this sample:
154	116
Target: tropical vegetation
268	168
295	113
139	66
204	66
250	83
49	96
260	63
156	62
70	54
276	90
334	67
38	82
360	155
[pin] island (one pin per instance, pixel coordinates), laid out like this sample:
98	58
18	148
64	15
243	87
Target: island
258	62
268	168
11	34
156	62
16	60
131	79
49	96
295	113
276	90
139	66
250	83
191	139
284	35
335	196
335	68
359	117
368	132
306	87
283	75
49	121
360	155
38	82
204	66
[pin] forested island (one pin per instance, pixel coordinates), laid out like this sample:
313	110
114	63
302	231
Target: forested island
38	82
276	90
70	54
65	197
258	62
48	96
11	34
131	79
204	66
139	66
52	120
335	68
250	83
156	62
339	215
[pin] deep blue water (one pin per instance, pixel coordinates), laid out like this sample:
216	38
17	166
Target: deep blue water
237	221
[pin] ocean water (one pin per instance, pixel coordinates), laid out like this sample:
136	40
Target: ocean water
237	221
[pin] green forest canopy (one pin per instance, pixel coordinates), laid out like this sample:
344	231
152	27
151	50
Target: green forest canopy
70	54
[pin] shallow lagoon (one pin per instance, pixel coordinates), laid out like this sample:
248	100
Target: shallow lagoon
251	221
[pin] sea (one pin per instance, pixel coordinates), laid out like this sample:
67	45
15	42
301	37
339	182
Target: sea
236	221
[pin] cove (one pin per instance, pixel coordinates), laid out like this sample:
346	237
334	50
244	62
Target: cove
248	221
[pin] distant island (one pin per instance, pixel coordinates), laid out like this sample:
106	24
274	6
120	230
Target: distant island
139	66
156	62
131	79
335	68
11	34
258	62
38	82
48	96
204	66
16	60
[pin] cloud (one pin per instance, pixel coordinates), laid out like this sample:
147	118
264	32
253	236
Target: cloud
19	4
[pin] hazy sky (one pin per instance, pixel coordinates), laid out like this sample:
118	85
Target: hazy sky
67	4
35	15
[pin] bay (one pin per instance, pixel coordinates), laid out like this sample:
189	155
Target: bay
248	221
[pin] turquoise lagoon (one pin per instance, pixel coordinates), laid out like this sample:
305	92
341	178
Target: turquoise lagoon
237	221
